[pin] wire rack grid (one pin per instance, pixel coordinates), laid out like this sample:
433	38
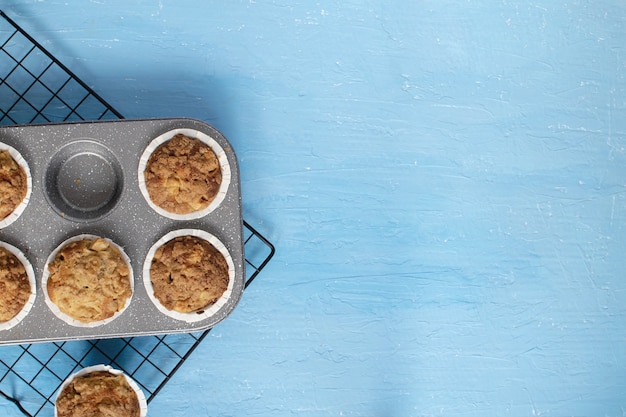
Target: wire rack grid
35	87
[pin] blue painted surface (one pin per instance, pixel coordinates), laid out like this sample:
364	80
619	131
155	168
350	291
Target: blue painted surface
445	182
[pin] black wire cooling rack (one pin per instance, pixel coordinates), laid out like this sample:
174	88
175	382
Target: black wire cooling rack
36	88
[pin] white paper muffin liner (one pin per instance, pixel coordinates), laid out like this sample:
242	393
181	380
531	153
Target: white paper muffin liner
213	308
143	404
55	309
29	185
221	156
33	287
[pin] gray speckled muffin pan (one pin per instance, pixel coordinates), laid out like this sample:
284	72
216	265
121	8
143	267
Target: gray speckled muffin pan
85	181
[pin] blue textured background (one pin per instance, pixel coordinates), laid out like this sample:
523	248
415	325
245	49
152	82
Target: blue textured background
445	182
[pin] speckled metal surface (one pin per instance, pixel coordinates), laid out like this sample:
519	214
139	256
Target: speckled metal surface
130	222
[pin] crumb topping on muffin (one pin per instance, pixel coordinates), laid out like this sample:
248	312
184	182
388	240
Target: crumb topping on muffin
13	184
183	175
188	274
14	285
89	280
98	394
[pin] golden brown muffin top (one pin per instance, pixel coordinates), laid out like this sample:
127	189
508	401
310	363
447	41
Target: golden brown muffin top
89	280
14	285
13	184
188	274
98	394
183	175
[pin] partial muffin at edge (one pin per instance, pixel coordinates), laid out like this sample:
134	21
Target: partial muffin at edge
98	394
13	184
89	280
15	289
183	175
188	274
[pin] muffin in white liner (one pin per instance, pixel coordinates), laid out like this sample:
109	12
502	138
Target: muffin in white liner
223	162
141	399
5	325
67	318
21	162
208	310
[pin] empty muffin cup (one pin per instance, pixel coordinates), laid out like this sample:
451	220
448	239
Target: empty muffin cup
17	286
189	275
88	281
15	186
100	389
83	181
184	174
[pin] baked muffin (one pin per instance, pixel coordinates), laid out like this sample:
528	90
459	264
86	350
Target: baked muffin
89	280
13	184
98	394
188	274
183	175
15	289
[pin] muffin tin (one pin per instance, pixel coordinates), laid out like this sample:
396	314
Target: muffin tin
85	181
